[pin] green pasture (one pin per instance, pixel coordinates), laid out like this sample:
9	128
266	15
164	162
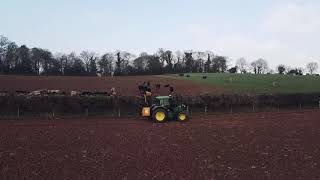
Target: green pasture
260	84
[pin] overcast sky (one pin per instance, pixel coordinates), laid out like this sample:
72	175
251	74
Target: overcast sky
281	31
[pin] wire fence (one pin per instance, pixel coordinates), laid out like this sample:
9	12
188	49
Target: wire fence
251	109
124	107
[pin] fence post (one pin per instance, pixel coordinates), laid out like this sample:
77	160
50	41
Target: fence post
87	111
253	108
119	112
231	109
53	113
18	113
319	103
205	110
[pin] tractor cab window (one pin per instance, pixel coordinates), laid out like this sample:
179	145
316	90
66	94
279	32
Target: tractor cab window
162	101
172	101
156	101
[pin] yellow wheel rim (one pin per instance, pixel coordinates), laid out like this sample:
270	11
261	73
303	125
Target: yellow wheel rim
160	116
182	117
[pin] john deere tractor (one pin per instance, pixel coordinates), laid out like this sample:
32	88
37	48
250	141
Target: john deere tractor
165	108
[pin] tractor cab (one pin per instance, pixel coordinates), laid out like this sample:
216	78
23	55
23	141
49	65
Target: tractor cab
162	101
165	101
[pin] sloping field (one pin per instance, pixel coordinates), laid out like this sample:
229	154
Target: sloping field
240	146
127	85
193	85
261	84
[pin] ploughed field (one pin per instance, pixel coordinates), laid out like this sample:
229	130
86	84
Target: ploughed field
239	146
125	85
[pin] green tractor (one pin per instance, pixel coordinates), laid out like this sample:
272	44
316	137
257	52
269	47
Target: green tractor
165	108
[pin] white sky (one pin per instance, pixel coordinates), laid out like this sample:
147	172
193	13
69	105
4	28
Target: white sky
280	31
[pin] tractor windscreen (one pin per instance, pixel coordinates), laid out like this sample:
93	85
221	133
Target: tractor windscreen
162	101
156	102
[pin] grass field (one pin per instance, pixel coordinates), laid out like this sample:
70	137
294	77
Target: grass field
261	84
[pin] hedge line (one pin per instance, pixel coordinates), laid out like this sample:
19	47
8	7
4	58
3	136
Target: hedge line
259	100
10	105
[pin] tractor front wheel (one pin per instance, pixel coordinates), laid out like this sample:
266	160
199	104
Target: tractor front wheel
182	117
159	115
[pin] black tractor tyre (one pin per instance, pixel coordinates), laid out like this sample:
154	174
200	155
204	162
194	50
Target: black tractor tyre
159	115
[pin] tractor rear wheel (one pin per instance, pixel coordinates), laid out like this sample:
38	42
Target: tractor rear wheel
182	117
160	115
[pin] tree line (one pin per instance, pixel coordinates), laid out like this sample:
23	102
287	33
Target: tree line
22	60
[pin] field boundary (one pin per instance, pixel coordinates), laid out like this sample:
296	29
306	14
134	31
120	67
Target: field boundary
51	107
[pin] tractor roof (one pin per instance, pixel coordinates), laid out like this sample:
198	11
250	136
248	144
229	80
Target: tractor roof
162	97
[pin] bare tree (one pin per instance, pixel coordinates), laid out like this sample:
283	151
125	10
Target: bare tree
208	63
62	59
122	62
105	63
179	57
141	62
166	58
312	67
189	61
199	58
254	67
161	54
260	66
219	64
4	42
87	57
242	65
178	62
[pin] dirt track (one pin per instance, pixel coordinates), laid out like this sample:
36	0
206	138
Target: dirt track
242	146
126	85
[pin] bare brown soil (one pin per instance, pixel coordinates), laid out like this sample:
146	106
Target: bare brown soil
240	146
127	85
